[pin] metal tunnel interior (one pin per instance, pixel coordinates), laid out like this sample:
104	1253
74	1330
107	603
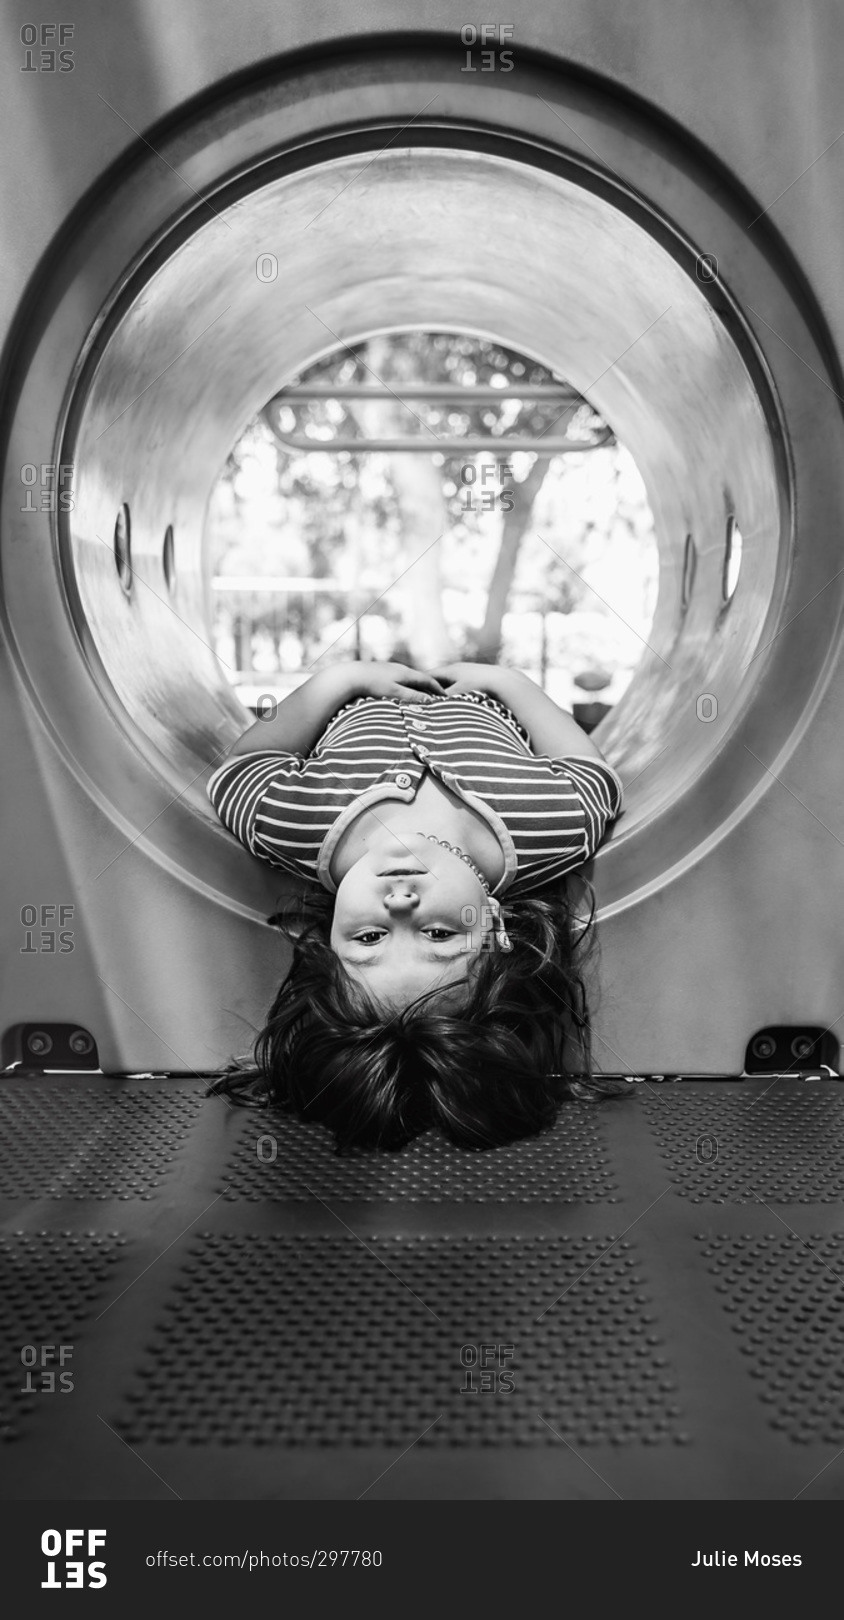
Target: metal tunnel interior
143	1222
579	285
192	342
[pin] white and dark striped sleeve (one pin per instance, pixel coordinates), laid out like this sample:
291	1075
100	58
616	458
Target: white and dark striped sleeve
238	787
599	791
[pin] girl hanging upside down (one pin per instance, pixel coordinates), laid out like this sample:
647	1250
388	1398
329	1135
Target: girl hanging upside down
438	979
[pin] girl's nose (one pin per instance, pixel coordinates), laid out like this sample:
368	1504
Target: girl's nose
401	898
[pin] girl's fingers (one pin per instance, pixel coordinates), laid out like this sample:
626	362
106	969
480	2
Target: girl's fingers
427	683
411	693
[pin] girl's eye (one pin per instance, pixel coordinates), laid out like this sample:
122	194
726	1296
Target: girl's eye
373	935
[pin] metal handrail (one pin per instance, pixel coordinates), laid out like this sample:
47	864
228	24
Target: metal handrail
415	443
453	444
478	393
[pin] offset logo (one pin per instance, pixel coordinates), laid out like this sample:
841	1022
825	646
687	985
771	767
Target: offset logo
64	1565
47	35
46	1381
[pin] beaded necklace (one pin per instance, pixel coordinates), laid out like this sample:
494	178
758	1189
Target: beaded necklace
455	850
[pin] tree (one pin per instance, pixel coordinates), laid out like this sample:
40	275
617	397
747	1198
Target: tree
418	487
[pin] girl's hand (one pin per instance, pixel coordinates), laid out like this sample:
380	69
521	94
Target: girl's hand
395	681
469	677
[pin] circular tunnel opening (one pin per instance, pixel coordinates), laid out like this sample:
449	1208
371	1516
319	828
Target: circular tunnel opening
385	506
582	288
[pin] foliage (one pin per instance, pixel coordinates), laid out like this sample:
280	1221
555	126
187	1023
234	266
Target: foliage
369	519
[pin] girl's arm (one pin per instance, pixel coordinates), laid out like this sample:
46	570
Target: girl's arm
553	732
301	718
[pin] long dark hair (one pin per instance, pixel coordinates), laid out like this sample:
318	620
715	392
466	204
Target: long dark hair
495	1069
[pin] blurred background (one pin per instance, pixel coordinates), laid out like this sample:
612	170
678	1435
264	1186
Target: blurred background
486	524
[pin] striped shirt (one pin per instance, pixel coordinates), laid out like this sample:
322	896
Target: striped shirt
549	815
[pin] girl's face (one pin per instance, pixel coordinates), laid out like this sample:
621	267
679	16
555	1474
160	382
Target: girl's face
399	925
